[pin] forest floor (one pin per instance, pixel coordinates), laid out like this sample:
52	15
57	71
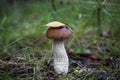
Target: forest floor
33	64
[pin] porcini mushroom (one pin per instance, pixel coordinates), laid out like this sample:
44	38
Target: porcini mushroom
59	32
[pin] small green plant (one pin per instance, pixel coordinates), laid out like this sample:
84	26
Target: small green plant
77	70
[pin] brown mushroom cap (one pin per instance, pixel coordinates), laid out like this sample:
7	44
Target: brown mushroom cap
55	24
58	33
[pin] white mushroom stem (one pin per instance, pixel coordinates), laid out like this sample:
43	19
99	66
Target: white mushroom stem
61	61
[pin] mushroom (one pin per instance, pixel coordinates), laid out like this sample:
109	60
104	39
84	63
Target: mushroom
59	32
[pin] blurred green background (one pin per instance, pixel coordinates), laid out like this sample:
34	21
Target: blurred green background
22	21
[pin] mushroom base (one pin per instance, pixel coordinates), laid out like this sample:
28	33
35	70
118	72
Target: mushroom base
61	61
